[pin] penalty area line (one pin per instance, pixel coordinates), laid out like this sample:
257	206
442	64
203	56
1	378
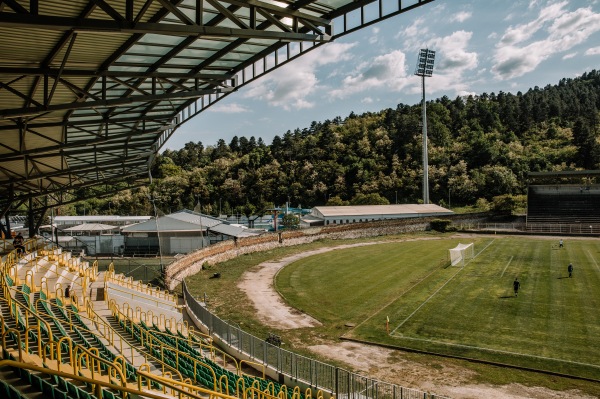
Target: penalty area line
438	290
506	267
594	260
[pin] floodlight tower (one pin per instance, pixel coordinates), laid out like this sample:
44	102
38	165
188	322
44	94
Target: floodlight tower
425	69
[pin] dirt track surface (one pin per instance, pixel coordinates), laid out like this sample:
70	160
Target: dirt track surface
271	309
380	363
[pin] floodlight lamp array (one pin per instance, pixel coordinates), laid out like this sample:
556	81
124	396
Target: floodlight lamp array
425	63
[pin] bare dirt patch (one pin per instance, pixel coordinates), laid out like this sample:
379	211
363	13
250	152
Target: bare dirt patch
436	377
271	309
376	362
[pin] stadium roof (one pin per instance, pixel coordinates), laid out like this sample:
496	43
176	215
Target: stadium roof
90	90
189	221
563	173
92	227
235	231
409	210
196	218
100	218
165	224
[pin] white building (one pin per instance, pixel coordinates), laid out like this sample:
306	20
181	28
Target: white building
367	213
115	220
180	232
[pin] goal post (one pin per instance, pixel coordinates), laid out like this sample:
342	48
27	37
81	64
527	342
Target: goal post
461	252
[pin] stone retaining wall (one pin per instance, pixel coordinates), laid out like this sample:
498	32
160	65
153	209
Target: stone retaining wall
226	250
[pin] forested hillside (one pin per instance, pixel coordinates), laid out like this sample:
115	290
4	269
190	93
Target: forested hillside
479	147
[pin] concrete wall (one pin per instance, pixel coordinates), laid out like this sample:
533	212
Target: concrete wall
223	251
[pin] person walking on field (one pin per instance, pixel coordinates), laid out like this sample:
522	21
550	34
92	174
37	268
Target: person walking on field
516	286
560	243
570	270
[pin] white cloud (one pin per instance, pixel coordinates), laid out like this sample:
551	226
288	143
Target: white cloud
515	55
570	55
460	16
452	54
233	108
413	34
390	72
387	70
367	100
532	4
463	93
593	51
453	62
374	38
291	86
520	33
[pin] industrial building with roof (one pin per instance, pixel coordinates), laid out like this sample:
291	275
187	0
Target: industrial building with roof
180	232
367	213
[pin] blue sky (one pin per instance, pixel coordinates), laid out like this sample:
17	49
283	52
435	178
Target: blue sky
481	46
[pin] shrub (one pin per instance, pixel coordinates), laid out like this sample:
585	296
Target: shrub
440	225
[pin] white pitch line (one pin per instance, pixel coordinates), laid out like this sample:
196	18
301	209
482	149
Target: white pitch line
436	291
506	267
595	263
497	351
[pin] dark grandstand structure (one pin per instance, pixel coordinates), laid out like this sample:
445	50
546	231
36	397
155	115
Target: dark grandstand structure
565	198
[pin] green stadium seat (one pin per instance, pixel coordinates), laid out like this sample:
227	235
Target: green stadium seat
4	390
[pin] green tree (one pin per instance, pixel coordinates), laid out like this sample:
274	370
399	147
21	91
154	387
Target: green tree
369	199
336	201
290	221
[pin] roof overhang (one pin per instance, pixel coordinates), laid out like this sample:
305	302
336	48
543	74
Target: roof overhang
90	90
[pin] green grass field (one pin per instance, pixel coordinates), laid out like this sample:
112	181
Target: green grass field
469	311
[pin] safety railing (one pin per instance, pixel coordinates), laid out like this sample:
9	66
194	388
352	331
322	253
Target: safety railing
128	282
169	386
151	339
335	380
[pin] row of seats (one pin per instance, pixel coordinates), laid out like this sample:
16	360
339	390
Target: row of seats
51	386
563	204
186	365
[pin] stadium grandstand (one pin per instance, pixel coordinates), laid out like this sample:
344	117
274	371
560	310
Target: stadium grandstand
70	331
565	202
90	91
364	213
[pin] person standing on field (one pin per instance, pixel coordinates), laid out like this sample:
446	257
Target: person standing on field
560	243
570	270
516	286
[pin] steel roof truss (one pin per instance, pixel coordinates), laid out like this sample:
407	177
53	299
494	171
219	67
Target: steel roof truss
89	73
281	12
114	14
74	172
48	99
16	7
102	25
36	133
15	112
175	11
78	91
75	186
27	99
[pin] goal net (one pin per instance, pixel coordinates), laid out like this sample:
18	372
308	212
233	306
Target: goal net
460	253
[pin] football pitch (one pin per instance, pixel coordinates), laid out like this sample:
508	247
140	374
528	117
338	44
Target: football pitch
468	311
